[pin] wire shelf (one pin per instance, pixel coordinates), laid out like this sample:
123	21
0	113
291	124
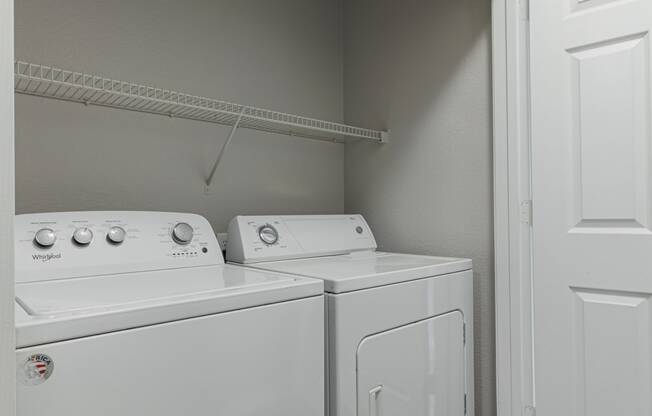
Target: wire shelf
61	84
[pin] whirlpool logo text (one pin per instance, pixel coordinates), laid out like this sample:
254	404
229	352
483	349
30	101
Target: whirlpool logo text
46	257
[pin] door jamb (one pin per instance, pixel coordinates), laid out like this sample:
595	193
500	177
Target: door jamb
7	208
512	209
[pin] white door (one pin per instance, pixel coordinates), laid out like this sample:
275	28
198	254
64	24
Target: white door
592	190
414	370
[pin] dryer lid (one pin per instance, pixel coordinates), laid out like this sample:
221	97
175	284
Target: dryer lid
363	270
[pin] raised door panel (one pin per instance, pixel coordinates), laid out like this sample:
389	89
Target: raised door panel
581	5
611	165
612	352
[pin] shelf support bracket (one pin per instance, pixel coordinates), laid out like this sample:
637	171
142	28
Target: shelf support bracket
235	126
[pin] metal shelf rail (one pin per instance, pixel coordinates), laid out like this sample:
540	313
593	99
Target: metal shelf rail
67	85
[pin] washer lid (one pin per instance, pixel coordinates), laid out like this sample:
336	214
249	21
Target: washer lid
71	308
363	270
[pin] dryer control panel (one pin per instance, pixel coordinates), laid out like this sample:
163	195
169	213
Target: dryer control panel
77	244
254	239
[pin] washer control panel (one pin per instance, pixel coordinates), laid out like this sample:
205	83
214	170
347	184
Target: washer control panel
74	244
267	238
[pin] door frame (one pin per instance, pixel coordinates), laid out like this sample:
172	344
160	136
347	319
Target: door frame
512	209
7	210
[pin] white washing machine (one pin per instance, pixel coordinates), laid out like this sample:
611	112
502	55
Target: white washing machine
399	327
135	314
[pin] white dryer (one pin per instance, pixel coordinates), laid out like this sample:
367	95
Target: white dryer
135	314
399	327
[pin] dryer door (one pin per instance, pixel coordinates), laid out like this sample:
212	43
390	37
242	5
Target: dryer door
416	370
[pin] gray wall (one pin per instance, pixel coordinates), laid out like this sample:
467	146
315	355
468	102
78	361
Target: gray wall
422	69
285	55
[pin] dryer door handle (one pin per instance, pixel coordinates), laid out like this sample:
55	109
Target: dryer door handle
373	400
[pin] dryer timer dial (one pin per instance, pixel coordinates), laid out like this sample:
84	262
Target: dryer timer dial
268	234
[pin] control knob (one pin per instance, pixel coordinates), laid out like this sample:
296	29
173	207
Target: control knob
182	233
268	234
45	237
116	235
83	236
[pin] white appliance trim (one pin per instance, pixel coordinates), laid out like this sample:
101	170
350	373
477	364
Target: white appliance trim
512	209
7	343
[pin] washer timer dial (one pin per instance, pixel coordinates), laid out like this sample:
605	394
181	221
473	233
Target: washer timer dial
268	234
182	233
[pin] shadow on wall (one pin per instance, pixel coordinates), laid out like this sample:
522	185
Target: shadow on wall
285	55
402	59
422	68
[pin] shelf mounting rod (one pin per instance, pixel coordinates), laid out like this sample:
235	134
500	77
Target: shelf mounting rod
224	146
